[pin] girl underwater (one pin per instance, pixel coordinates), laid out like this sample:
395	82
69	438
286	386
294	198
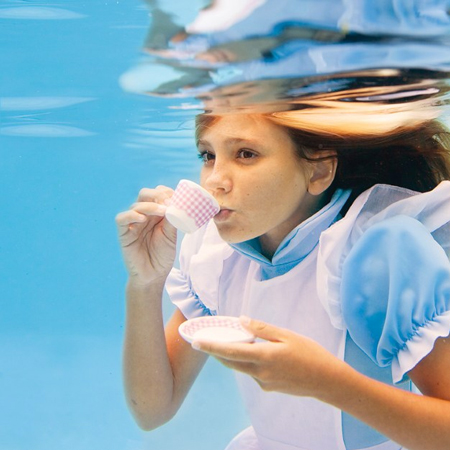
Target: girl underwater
331	247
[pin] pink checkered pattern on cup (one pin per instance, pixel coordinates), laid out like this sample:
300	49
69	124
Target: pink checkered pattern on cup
194	203
192	327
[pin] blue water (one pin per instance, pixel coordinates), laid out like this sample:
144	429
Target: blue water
80	135
75	150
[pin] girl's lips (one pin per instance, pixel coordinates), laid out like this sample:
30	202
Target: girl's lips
223	215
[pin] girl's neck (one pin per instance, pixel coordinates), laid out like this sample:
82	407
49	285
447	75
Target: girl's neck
270	241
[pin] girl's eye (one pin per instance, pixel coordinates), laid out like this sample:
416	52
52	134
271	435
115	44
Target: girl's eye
246	154
206	156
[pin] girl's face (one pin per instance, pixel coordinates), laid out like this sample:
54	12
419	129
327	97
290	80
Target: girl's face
263	188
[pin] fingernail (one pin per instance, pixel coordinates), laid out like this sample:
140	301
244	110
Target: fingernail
196	345
167	201
245	320
161	209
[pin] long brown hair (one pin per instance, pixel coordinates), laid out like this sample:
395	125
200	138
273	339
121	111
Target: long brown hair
414	158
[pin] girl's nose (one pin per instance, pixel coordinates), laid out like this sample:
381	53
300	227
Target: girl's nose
218	179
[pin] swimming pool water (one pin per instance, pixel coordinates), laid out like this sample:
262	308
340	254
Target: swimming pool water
79	136
75	150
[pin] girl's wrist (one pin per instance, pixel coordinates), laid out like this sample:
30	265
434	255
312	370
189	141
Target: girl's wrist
341	379
139	284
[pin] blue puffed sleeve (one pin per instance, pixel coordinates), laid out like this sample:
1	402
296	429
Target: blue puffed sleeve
395	293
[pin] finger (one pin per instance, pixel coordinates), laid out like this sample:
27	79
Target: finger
164	189
155	209
149	208
263	330
159	194
126	218
227	351
245	367
169	230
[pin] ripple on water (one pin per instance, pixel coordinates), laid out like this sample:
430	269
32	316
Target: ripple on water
44	130
38	13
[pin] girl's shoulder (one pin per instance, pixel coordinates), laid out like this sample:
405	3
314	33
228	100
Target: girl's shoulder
374	206
384	270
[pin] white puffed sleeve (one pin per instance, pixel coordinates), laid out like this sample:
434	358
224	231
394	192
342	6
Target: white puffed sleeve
193	287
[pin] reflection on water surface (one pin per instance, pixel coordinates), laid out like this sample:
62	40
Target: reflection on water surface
271	56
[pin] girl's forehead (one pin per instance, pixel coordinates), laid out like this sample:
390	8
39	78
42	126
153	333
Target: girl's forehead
248	131
239	125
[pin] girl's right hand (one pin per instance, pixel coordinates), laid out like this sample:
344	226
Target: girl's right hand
147	239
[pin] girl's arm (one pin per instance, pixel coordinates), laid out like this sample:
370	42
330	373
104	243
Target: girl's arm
296	365
159	367
417	422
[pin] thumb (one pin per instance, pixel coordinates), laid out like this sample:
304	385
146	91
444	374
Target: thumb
263	330
169	230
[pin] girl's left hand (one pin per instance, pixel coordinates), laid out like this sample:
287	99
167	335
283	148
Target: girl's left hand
287	362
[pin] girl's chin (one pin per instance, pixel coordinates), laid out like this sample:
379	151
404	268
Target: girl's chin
231	236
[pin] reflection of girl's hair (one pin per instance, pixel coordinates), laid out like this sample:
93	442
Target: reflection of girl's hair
416	158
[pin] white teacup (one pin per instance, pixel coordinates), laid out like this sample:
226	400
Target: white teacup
191	207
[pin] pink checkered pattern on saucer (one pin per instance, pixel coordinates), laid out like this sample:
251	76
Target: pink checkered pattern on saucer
192	327
196	205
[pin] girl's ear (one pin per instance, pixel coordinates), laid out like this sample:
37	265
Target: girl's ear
323	171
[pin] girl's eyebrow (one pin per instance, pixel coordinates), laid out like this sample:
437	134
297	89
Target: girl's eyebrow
230	141
202	142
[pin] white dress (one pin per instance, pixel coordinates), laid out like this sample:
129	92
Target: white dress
315	298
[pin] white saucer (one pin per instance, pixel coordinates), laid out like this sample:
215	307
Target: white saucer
215	329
